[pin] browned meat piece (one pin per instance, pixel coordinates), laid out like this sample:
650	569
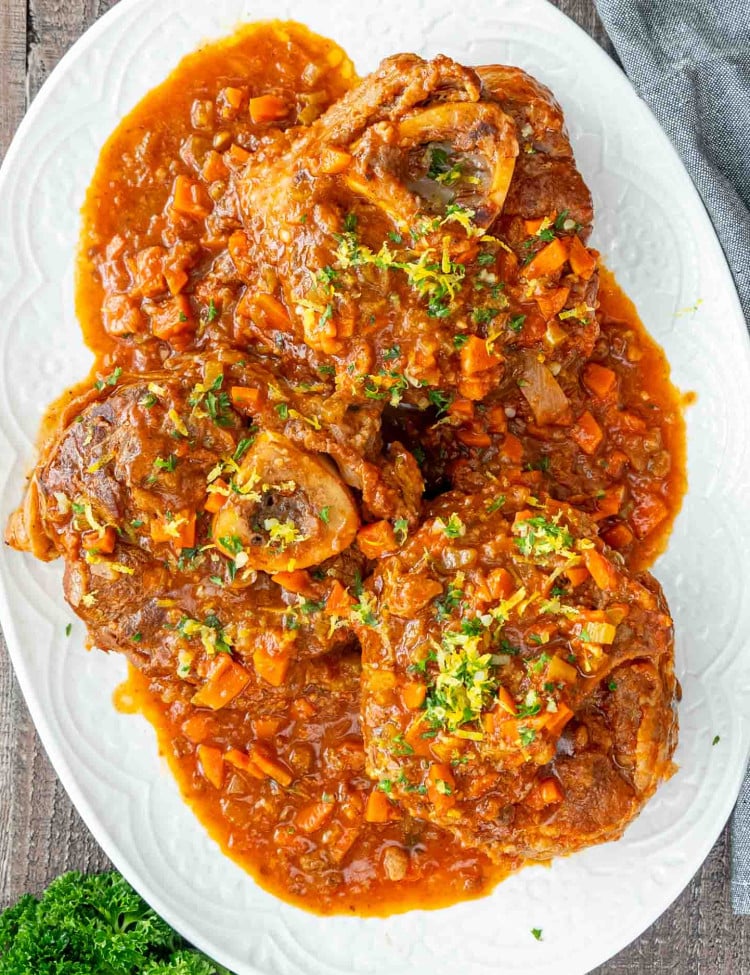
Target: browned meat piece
518	684
371	223
185	530
546	180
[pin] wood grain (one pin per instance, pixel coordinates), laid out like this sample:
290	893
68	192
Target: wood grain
41	834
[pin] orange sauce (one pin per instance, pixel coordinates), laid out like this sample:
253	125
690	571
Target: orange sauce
616	310
441	873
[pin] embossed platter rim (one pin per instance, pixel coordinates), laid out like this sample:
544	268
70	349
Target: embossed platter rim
655	234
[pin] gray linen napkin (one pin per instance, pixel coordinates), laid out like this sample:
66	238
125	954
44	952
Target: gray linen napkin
690	61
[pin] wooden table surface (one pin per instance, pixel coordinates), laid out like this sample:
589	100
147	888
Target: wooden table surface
41	835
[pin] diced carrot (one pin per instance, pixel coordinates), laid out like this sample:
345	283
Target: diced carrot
617	612
582	261
551	791
602	571
560	671
610	504
149	276
413	694
500	583
246	397
266	727
122	315
233	96
298	581
190	199
339	600
378	808
212	764
506	702
268	108
534	226
615	462
476	387
475	357
551	302
441	786
178	530
461	409
333	160
577	574
215	499
272	667
587	433
176	279
264	310
542	632
214	167
198	727
473	438
555	721
599	380
103	543
512	449
649	512
496	420
243	762
270	764
173	317
313	815
376	539
548	260
225	681
237	154
302	708
619	536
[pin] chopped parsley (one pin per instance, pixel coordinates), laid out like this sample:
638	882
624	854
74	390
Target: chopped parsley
68	629
232	543
218	406
110	380
453	528
212	312
450	600
460	340
717	739
440	400
241	449
541	537
537	932
364	611
325	514
464	684
483	316
441	168
496	504
515	323
526	735
168	464
283	410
